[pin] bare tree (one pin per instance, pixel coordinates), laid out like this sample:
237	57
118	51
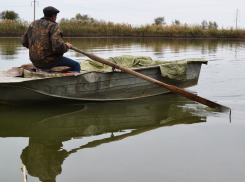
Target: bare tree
209	25
215	24
204	24
212	25
176	22
159	21
84	17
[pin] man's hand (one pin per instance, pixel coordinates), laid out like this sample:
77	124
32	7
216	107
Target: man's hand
68	44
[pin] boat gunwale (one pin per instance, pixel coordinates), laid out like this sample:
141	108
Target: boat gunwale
16	79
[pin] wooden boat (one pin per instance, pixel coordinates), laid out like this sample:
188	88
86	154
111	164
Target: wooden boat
87	86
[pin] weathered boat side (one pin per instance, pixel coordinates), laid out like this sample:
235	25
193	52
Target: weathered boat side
94	86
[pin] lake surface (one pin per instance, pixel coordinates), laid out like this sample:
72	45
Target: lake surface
163	138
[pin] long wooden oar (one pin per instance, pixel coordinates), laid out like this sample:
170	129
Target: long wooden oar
172	88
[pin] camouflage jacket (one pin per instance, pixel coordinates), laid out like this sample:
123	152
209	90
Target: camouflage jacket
43	38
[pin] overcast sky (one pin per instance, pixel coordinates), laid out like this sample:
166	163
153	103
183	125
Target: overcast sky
137	12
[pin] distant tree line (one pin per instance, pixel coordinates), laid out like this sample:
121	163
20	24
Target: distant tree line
81	17
204	24
11	15
209	25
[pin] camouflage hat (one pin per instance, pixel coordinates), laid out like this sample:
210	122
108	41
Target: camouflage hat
50	10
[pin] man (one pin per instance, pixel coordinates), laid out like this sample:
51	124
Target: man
43	38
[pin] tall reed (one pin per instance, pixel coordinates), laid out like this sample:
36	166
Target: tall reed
80	27
13	27
95	28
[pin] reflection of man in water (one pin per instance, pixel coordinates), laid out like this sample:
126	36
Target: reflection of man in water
43	158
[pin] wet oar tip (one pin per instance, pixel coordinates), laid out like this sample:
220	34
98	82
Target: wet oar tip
224	109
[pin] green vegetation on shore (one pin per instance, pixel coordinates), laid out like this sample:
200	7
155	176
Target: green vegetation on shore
9	15
100	28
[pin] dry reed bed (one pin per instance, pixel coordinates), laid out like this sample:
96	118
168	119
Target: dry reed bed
13	27
83	28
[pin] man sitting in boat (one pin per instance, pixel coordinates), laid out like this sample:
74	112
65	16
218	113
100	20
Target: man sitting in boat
43	38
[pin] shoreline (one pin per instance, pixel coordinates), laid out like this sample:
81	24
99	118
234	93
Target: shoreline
127	36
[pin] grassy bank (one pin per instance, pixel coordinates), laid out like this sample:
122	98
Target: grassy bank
88	28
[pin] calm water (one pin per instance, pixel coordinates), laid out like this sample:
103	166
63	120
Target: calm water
164	138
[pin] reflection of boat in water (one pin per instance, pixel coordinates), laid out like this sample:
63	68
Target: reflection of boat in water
50	126
98	118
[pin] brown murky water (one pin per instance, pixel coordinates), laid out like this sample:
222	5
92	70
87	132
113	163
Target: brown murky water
163	138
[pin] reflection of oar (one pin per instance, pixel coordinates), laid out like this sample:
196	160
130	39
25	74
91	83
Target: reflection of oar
188	120
23	168
172	88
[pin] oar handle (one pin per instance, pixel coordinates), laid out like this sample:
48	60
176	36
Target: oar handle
96	58
172	88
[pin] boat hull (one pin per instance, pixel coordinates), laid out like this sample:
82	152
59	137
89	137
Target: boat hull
94	86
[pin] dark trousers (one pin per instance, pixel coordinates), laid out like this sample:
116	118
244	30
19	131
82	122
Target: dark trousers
64	61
